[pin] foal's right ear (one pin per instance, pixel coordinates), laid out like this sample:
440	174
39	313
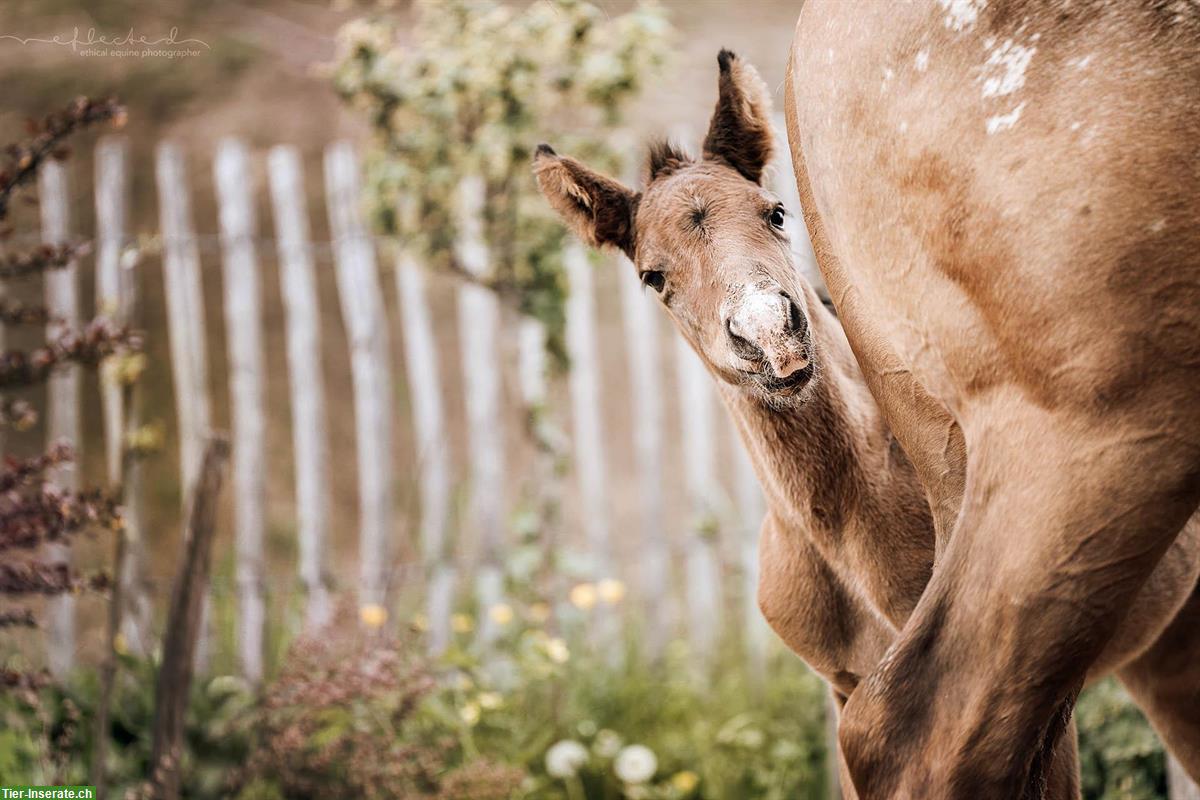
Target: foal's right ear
599	209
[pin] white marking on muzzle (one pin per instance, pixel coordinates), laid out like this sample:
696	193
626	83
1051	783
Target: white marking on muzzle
764	319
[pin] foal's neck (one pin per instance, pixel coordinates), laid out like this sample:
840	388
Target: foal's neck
819	459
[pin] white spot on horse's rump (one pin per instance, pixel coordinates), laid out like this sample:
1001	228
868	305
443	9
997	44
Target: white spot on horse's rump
1075	125
1157	226
1006	65
1083	61
922	61
961	15
1003	122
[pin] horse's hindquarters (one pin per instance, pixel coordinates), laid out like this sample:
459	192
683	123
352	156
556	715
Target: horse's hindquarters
1012	196
1005	203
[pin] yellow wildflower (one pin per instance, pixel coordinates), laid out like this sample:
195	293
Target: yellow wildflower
501	613
420	623
611	591
583	596
470	713
462	623
120	645
685	781
490	700
539	612
373	615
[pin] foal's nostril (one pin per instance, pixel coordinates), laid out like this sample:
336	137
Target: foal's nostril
742	348
795	318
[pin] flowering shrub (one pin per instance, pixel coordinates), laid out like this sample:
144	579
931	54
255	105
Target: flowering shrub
471	93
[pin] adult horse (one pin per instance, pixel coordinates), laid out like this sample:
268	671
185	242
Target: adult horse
1004	200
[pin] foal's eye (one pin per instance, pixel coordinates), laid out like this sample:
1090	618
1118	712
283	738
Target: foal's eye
777	217
654	279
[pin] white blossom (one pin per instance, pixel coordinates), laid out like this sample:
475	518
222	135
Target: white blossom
564	758
636	764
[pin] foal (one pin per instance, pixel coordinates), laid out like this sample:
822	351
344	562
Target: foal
848	542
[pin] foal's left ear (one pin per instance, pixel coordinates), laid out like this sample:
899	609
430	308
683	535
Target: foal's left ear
740	132
598	208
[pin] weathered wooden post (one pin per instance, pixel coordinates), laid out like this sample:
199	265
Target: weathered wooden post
751	508
702	567
643	354
586	409
62	418
185	330
185	620
117	298
429	429
479	331
243	325
587	424
362	310
783	183
310	438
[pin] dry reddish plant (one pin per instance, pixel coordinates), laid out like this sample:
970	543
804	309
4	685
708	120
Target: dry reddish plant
47	140
342	714
33	511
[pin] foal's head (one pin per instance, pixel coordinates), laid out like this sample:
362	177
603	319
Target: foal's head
708	238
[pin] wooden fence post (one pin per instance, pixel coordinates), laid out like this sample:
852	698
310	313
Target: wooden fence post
783	183
117	298
703	571
586	411
587	414
643	354
429	429
243	325
185	621
751	508
185	326
310	438
62	419
363	314
479	331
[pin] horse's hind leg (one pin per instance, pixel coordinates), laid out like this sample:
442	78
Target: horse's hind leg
1165	683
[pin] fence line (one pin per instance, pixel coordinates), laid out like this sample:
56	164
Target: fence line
449	573
310	437
62	422
243	324
362	311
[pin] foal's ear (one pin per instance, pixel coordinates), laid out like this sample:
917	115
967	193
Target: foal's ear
740	132
599	209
